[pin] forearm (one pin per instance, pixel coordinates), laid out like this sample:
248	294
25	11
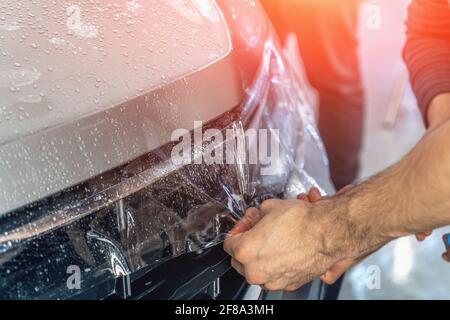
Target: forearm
412	195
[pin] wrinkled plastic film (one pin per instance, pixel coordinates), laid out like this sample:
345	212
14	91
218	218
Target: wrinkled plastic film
154	211
277	101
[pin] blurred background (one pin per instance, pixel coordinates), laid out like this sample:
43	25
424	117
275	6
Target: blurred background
406	268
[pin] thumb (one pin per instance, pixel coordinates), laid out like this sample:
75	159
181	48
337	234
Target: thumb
336	271
250	219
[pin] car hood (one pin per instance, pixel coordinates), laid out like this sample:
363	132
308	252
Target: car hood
86	86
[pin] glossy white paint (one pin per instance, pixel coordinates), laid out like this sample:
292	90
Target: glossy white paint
88	85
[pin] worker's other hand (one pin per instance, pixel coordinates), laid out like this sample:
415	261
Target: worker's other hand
421	236
446	254
284	245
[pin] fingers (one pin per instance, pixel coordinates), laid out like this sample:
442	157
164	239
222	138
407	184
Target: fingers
232	243
303	197
421	236
277	285
446	254
286	284
336	271
240	227
238	267
252	276
314	194
250	219
330	278
293	287
270	205
253	216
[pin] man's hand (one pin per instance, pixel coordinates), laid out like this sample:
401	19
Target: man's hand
252	218
446	254
421	236
285	245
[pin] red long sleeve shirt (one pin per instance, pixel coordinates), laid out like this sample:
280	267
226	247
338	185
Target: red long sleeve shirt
427	51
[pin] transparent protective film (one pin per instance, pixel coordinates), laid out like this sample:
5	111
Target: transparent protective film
152	209
278	103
